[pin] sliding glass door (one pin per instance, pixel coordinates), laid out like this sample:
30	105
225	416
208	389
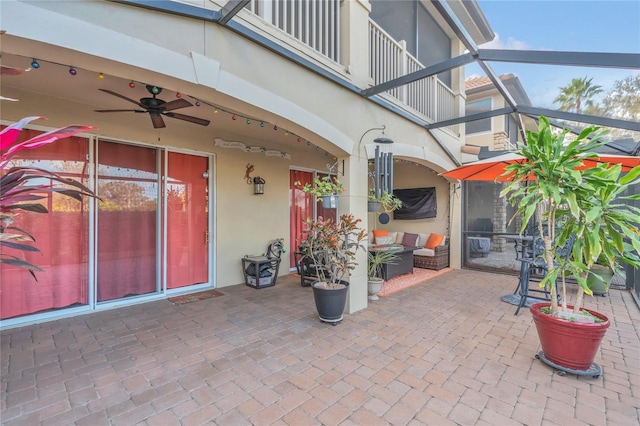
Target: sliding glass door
128	186
187	195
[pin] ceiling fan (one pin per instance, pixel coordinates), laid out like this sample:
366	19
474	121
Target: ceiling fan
157	108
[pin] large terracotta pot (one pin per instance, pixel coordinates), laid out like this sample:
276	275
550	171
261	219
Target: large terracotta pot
569	344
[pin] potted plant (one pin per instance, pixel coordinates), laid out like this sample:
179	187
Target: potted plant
374	269
332	247
386	200
327	188
600	276
569	200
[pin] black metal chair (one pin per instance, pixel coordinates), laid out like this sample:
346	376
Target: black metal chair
265	267
530	252
305	267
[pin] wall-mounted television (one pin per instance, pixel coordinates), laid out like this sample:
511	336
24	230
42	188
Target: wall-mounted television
417	203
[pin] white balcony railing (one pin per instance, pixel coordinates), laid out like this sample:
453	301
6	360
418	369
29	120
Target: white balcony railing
389	59
315	23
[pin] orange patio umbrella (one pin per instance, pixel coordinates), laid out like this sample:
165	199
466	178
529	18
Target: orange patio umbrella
491	169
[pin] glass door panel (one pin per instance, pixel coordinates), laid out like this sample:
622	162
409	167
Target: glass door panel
187	220
301	208
61	236
127	221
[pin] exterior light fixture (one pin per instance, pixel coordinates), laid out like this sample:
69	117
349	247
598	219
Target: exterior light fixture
258	185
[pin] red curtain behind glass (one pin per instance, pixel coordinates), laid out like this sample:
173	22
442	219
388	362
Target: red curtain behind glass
61	236
187	220
127	220
301	208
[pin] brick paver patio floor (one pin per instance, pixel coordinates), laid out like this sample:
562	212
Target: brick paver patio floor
447	351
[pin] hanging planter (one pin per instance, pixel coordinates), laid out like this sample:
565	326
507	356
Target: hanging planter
373	206
326	188
329	201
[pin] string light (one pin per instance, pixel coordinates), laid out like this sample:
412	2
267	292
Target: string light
35	64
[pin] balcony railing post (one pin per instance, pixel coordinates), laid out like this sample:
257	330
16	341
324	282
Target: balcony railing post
354	35
404	66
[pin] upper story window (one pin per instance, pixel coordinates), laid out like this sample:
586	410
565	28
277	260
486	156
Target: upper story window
478	126
410	21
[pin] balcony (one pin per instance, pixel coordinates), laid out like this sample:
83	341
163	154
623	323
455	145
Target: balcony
316	24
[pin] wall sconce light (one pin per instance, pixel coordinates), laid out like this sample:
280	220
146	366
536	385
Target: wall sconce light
258	185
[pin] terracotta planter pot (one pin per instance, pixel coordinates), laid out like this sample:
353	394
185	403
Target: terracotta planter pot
330	303
569	344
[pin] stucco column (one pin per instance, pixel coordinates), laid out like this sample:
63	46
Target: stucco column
354	201
354	40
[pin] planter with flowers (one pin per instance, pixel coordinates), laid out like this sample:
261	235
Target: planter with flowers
332	246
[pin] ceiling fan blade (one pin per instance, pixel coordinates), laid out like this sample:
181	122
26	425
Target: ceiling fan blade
119	110
122	97
188	118
158	122
176	104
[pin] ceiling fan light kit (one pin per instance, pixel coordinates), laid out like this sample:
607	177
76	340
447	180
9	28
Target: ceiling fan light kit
157	107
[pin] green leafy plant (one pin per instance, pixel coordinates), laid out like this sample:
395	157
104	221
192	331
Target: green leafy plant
388	201
19	190
332	246
327	185
378	258
568	200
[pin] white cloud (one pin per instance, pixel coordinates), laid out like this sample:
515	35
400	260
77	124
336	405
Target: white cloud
510	44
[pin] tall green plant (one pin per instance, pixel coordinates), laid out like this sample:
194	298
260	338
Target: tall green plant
553	186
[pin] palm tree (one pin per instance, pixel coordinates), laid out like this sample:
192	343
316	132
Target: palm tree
577	94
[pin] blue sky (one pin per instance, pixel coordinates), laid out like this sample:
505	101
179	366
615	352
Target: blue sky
563	25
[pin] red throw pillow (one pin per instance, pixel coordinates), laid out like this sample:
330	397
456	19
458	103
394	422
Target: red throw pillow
380	233
433	241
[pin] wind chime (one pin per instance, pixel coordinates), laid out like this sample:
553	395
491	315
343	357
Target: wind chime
383	166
